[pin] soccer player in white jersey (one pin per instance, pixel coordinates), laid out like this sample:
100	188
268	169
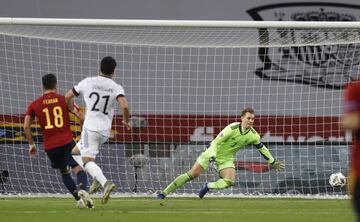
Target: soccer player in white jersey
100	94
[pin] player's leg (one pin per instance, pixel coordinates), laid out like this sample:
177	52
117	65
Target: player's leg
91	142
95	171
181	180
76	155
227	178
58	161
197	169
108	189
82	179
89	148
75	152
69	182
95	185
356	197
85	196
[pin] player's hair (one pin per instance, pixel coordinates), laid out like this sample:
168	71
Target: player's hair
107	65
247	110
49	81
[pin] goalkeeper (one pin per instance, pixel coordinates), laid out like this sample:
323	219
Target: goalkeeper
221	156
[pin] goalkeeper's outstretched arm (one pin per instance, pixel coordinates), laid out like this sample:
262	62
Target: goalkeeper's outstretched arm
277	165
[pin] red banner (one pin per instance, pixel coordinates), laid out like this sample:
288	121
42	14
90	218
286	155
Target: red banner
197	128
201	128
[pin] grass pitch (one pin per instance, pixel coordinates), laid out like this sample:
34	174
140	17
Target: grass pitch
177	209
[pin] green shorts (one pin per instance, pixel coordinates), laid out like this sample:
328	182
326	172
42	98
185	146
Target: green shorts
203	160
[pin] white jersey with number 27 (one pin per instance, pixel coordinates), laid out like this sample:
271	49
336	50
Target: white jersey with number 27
100	94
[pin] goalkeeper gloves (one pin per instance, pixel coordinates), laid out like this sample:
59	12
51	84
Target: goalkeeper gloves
212	164
277	165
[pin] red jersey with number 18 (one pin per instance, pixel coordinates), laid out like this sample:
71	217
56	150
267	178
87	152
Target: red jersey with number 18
53	115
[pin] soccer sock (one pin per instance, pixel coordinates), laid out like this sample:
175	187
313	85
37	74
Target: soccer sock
178	182
82	180
220	184
70	185
95	171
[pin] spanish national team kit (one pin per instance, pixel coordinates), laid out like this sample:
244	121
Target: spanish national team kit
52	114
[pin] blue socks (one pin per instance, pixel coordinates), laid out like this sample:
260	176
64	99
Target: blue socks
82	180
70	185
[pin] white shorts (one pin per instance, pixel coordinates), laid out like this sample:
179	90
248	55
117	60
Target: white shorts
90	143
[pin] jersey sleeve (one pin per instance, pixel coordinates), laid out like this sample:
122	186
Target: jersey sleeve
30	110
264	151
79	88
119	91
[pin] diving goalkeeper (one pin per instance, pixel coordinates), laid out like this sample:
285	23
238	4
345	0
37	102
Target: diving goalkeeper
221	156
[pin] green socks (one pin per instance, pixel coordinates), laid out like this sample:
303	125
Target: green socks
186	177
220	184
177	183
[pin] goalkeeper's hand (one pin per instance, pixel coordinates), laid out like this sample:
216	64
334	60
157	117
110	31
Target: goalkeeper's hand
212	164
277	165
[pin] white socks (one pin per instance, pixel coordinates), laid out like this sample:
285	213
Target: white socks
96	173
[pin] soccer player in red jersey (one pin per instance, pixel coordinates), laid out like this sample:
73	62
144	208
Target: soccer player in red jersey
52	114
351	121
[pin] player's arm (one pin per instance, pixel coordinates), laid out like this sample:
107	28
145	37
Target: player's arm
125	110
77	112
69	98
27	130
264	151
351	119
73	108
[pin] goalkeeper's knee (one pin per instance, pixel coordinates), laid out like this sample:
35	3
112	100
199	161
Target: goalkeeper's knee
221	184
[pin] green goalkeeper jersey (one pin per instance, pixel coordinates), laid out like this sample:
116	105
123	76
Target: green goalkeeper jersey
233	138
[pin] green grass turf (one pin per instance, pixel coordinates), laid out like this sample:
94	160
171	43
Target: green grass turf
177	209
